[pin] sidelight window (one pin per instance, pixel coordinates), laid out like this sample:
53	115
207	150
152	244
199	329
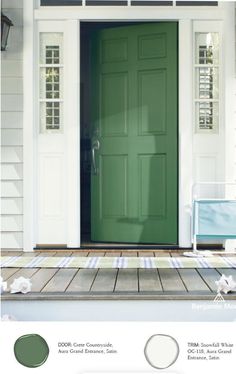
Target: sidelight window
51	82
206	82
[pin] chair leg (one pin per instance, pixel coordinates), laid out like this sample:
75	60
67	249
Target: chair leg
195	244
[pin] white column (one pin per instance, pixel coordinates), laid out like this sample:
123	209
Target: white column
230	104
29	140
185	131
229	92
72	131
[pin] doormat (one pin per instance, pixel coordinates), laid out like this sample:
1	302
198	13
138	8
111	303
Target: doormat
117	262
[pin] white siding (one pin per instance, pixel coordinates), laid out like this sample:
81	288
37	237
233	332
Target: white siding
11	154
10	189
12	172
12	139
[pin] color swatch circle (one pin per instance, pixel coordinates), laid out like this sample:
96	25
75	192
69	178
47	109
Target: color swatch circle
161	351
31	350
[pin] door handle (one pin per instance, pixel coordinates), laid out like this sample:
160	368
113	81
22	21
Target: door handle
95	147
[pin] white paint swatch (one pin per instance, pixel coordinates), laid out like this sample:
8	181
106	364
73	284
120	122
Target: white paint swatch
161	351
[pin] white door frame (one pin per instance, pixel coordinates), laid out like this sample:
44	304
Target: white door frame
72	18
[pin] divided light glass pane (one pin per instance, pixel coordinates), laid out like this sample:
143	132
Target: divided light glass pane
106	2
51	83
207	116
207	48
51	114
207	83
51	48
60	2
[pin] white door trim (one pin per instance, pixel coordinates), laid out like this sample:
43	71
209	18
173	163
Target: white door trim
71	18
72	131
121	13
185	130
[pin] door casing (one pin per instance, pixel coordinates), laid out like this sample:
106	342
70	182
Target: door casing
68	21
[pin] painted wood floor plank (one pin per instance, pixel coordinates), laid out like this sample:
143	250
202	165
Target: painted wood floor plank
80	254
130	253
30	254
60	281
8	272
162	253
105	280
176	253
83	281
41	278
127	280
11	253
48	254
192	280
63	253
26	273
113	254
210	276
171	280
145	254
96	253
227	272
149	280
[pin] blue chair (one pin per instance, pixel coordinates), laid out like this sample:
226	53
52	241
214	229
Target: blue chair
213	218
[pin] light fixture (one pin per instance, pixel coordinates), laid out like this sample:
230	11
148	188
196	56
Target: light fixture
6	23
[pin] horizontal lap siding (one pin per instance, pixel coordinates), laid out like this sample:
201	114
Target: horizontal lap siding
12	132
10	189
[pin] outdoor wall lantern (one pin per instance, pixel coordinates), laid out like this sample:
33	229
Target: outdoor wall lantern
6	23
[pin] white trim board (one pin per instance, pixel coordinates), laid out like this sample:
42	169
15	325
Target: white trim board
130	13
29	140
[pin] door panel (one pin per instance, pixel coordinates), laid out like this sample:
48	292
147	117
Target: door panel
114	176
152	167
114	104
152	102
152	46
134	116
114	50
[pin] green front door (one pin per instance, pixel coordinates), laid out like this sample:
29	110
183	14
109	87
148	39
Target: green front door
135	142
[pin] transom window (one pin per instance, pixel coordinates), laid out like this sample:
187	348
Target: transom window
126	2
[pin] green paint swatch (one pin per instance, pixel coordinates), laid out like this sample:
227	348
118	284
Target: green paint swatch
31	350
